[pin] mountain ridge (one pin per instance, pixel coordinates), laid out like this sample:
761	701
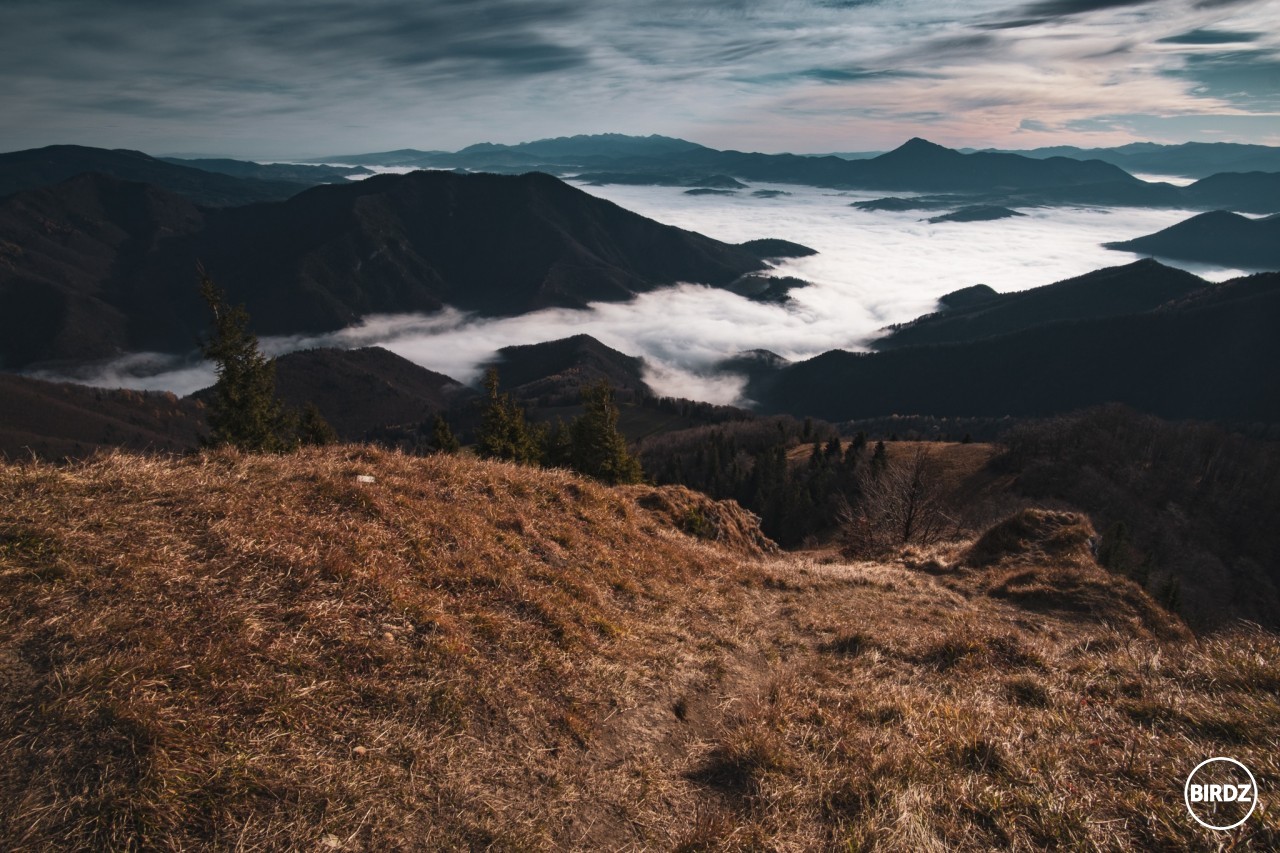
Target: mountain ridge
41	167
1217	237
1211	358
105	281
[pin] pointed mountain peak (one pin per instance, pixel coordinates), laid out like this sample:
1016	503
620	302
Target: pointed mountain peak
919	149
915	143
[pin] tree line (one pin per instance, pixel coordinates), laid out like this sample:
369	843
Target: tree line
245	413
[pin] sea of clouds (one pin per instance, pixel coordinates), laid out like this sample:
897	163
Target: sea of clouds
872	269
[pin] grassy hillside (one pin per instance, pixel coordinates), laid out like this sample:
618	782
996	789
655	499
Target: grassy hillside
258	653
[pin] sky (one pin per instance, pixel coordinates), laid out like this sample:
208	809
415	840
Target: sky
282	79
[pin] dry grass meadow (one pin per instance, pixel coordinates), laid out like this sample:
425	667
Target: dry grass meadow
266	653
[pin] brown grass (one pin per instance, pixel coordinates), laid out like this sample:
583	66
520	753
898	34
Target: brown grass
1043	560
229	652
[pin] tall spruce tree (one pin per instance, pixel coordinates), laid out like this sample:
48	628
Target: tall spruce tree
598	448
243	412
504	432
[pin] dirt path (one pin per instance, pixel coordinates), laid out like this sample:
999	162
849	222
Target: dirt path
669	746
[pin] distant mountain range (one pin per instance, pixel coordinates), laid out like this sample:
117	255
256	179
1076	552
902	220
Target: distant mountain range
979	177
1221	238
1209	351
916	165
1190	159
1240	178
576	150
96	266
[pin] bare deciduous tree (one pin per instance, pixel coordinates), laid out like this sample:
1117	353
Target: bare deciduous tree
901	504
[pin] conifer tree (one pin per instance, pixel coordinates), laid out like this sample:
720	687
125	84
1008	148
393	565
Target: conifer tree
859	442
504	433
557	446
879	459
442	438
598	449
244	412
313	430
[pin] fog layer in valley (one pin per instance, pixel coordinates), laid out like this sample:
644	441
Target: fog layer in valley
873	269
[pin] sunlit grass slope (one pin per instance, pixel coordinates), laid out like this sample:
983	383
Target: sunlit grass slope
232	652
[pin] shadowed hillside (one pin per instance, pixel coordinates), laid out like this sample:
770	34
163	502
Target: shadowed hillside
55	420
1209	355
42	167
555	372
270	652
972	314
361	389
97	265
1218	237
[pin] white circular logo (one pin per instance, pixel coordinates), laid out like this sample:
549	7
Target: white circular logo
1218	790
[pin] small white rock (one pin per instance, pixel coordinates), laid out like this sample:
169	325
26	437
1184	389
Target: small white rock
365	478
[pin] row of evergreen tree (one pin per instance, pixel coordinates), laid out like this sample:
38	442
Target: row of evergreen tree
245	413
755	465
590	444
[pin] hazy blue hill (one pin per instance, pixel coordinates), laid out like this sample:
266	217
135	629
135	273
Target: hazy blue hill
614	145
1190	159
1218	237
920	164
1140	286
916	165
1052	176
1218	359
1247	192
1132	193
565	152
398	157
42	167
287	172
977	213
